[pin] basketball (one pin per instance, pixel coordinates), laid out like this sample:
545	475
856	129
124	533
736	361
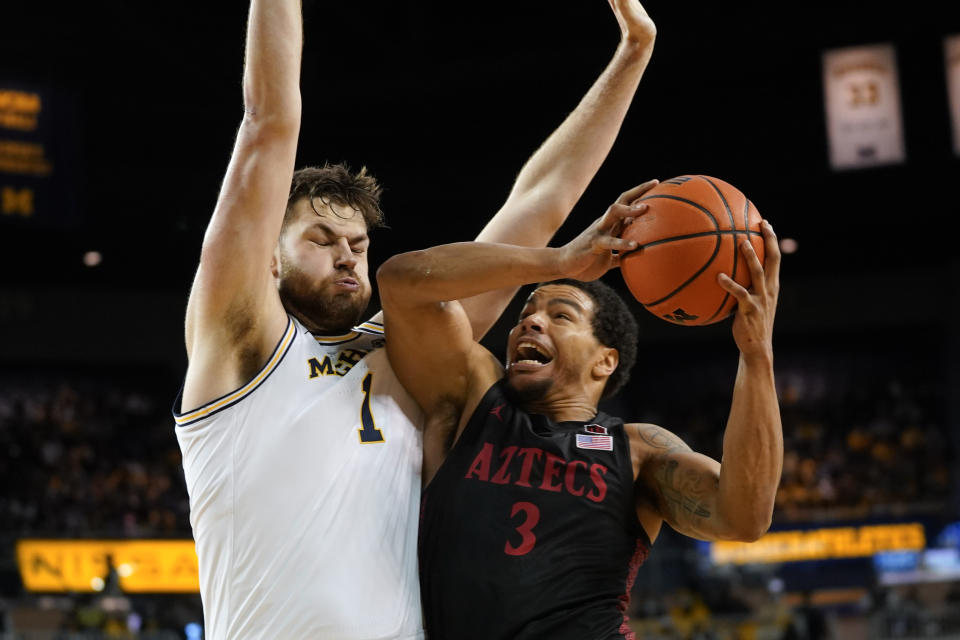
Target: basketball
689	234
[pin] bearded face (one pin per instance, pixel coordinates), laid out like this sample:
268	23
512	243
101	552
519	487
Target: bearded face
332	305
321	268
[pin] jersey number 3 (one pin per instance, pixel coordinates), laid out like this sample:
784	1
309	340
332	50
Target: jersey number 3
368	432
531	516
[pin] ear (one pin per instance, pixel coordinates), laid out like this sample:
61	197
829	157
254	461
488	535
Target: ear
275	262
606	364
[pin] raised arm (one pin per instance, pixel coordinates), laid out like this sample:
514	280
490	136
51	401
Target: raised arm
557	174
731	500
234	314
420	289
433	276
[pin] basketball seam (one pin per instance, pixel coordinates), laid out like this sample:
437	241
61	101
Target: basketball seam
736	253
716	248
688	236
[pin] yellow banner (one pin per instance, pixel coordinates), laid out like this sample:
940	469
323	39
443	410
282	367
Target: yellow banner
142	566
821	544
19	110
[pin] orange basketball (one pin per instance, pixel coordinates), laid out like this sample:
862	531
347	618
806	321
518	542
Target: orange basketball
689	235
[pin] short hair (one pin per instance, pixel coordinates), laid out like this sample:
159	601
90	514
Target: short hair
339	184
614	326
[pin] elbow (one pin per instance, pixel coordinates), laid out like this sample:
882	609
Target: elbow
752	534
273	121
259	132
400	273
752	529
743	523
389	272
556	216
276	127
385	275
550	202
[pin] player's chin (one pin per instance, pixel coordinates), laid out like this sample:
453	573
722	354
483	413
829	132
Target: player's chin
349	297
343	308
527	383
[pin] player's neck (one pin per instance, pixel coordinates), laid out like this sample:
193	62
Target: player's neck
572	408
319	329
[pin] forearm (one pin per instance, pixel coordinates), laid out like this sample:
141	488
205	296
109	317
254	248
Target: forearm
271	80
556	175
752	450
253	195
464	269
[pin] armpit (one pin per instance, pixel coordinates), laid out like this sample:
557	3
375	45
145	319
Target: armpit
440	427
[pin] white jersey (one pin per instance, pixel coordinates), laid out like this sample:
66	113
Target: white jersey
304	492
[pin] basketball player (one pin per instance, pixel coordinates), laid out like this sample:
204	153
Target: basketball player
301	451
538	509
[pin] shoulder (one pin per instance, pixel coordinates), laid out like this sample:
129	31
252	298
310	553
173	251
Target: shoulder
649	439
220	363
485	368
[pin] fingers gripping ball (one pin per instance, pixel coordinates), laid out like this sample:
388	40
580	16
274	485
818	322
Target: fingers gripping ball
689	234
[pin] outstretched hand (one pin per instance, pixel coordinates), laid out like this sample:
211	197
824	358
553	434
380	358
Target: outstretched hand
599	247
753	323
636	27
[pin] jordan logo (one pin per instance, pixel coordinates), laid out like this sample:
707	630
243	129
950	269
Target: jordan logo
496	411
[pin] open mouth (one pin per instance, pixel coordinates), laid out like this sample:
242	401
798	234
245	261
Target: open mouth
531	354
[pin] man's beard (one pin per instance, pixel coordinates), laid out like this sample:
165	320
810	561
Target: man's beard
320	311
530	393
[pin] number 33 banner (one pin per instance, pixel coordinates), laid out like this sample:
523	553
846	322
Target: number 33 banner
952	52
862	101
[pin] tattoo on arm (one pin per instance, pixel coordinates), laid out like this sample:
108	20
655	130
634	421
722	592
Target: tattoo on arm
685	493
662	439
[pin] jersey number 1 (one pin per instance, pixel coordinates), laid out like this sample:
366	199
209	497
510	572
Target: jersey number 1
368	432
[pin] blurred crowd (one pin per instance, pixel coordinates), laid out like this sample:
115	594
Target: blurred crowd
89	457
103	617
860	450
95	455
735	612
863	436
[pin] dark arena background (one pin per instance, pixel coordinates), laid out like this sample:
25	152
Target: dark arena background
116	124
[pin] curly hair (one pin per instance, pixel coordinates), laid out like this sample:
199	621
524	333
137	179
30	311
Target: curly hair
614	326
339	184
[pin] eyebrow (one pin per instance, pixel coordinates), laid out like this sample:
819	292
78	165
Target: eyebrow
331	232
567	301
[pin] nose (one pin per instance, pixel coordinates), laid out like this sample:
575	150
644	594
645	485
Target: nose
533	322
344	257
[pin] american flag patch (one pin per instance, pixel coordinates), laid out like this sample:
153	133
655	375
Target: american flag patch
587	441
